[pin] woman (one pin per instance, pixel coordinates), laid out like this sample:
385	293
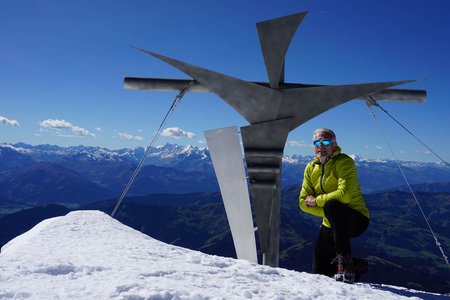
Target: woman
330	190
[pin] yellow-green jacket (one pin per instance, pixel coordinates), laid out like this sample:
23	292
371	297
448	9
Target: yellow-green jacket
335	179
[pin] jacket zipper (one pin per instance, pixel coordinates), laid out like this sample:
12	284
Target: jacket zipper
321	176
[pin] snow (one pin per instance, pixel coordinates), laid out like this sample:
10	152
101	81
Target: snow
15	148
168	152
89	255
289	159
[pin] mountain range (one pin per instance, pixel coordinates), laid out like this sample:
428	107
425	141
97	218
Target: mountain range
43	174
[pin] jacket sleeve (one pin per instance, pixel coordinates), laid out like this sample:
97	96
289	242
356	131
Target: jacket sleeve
307	189
347	182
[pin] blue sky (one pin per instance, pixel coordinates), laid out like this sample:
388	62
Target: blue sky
62	65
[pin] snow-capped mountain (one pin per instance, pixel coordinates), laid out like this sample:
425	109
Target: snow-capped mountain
168	168
27	171
187	158
166	155
89	255
52	153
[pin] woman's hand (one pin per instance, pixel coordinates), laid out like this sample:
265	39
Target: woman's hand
310	201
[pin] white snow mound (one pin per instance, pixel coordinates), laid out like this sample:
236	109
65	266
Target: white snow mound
89	255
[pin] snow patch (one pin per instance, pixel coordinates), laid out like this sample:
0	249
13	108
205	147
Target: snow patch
89	255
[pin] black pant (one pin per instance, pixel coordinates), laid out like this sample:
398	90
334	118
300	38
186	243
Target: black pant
346	223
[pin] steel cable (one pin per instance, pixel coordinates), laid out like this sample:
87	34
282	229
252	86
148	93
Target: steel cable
438	244
175	102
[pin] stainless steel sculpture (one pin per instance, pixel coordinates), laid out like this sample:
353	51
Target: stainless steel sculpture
273	109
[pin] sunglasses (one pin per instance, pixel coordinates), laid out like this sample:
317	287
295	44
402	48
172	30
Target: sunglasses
325	142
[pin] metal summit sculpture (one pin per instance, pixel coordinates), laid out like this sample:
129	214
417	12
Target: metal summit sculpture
273	109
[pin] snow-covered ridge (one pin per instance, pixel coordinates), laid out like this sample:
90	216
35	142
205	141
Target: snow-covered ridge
92	162
167	152
89	255
52	153
302	159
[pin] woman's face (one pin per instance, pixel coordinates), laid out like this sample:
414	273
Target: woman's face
322	151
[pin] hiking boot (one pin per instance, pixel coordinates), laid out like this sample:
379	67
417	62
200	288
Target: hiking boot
345	271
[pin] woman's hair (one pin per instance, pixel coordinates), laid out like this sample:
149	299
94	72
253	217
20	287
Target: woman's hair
327	132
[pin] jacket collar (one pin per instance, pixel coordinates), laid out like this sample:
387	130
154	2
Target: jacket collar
336	152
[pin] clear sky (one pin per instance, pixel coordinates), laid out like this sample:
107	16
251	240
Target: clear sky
62	65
